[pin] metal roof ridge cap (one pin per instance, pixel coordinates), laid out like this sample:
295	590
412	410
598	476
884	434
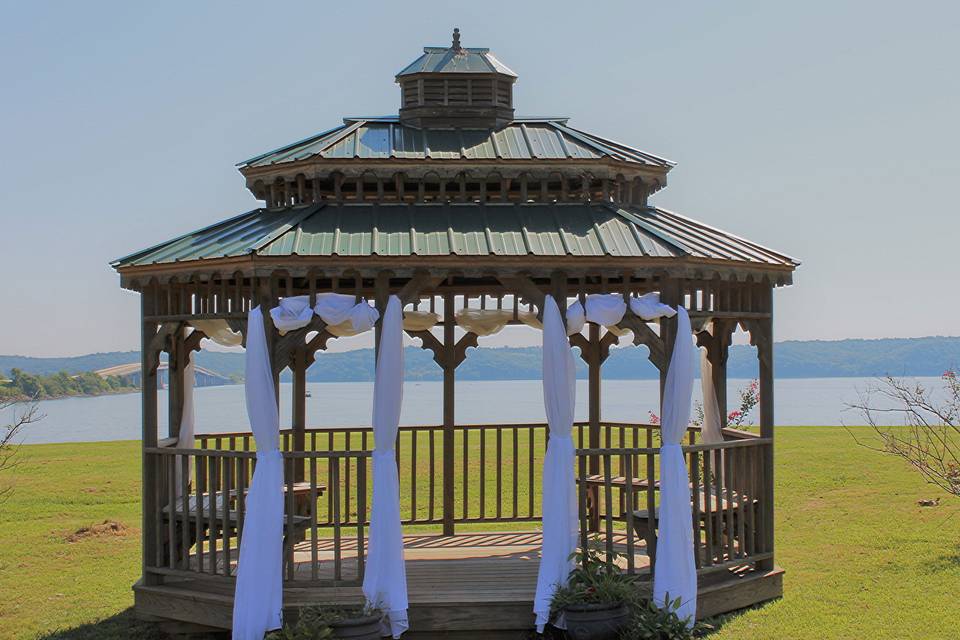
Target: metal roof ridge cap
672	163
632	217
586	139
183	236
287	147
726	233
286	226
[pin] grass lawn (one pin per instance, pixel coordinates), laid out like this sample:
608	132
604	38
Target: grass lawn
862	559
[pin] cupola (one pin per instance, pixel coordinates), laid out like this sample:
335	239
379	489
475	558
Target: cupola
456	87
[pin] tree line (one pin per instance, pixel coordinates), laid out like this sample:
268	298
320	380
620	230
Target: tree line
22	385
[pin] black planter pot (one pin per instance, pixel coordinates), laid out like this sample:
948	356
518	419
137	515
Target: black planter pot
595	621
362	628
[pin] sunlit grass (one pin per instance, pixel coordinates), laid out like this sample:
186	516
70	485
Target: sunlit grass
862	559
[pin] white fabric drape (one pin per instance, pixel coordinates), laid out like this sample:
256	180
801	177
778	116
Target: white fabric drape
419	320
576	318
292	313
187	438
605	309
385	580
219	331
258	599
338	308
649	307
483	322
711	428
559	491
675	574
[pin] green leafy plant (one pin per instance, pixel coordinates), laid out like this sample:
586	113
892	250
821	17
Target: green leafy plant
314	623
596	579
648	621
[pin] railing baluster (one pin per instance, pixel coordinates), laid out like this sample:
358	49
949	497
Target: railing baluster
361	513
335	498
433	476
516	476
414	477
499	472
183	518
466	471
695	501
652	519
314	551
483	473
212	492
608	510
531	481
628	500
225	524
707	517
199	484
289	514
584	521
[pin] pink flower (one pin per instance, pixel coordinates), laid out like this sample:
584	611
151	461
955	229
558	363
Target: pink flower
654	418
733	415
949	374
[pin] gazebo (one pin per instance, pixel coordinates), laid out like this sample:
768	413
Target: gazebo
474	219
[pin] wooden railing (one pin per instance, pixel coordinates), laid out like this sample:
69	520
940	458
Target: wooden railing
496	467
728	485
197	518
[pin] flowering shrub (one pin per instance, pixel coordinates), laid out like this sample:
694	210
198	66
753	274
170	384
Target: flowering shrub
749	398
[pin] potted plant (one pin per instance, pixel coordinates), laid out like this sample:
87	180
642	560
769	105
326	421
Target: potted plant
332	623
648	621
595	603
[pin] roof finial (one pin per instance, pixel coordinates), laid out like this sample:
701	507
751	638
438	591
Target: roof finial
456	40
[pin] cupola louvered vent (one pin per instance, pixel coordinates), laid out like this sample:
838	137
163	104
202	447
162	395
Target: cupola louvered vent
456	87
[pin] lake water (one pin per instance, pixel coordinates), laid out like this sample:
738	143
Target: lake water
813	401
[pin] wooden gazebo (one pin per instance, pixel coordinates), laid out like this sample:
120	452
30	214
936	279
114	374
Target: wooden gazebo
455	204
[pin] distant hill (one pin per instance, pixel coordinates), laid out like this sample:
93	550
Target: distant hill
793	359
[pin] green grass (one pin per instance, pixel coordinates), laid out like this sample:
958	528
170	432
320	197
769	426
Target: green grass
862	559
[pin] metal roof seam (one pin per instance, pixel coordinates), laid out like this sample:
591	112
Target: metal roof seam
726	233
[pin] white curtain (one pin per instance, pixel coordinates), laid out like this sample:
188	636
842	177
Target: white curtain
292	313
675	574
559	490
711	429
385	580
258	599
187	437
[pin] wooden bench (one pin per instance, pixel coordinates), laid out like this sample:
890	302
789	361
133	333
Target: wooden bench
213	521
710	507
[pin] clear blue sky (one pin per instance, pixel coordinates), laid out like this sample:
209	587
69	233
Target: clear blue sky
828	130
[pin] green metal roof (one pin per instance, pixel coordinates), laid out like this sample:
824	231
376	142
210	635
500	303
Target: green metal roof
522	139
467	229
449	60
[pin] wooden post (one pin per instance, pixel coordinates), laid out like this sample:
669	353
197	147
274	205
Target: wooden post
449	417
150	469
593	434
176	363
765	356
299	405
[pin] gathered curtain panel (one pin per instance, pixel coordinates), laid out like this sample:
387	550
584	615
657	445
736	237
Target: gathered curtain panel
187	438
258	599
711	429
385	579
559	504
675	572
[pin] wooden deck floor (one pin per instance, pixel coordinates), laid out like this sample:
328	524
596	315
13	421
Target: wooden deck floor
456	585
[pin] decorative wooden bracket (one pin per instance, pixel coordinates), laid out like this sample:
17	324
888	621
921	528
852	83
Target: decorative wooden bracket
526	289
431	343
158	343
760	337
643	334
